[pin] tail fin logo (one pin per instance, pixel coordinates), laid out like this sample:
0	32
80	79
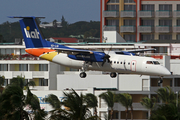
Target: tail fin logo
31	34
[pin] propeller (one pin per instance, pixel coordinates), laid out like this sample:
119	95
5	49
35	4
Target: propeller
106	57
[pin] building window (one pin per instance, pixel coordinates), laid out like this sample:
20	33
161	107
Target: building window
43	67
178	22
113	7
130	7
3	51
5	82
147	22
43	82
148	7
113	1
165	22
165	36
112	22
3	67
178	7
145	37
177	82
23	67
129	22
129	1
130	37
165	7
178	36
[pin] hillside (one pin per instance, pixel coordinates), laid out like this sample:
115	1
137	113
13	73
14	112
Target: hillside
10	31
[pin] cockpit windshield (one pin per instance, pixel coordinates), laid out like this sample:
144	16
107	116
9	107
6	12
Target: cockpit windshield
153	62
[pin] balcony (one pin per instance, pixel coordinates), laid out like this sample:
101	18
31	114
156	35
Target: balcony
111	28
40	74
176	14
111	13
145	14
163	14
18	57
128	14
128	29
176	29
163	29
145	29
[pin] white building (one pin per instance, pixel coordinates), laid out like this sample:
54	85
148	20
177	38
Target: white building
51	78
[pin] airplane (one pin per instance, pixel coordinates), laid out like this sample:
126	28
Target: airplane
110	61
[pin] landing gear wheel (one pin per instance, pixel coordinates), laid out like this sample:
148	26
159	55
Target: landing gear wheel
82	74
113	75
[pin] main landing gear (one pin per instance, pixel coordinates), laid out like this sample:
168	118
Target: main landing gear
113	74
160	80
84	68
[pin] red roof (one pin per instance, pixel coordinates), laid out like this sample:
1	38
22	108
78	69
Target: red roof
66	40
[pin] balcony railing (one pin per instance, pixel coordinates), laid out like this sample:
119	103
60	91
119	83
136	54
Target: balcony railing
163	13
128	14
111	13
146	13
128	29
176	14
111	28
176	29
146	29
18	57
163	29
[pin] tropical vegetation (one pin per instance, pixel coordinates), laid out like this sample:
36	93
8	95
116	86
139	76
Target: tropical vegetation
13	102
10	31
18	102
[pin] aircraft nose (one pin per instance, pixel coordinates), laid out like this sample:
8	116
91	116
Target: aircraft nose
164	71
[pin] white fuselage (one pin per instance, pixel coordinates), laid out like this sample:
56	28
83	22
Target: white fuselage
119	64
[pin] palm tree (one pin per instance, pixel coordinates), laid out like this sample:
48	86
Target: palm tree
148	103
166	112
20	81
13	101
166	95
77	107
126	100
12	105
110	98
2	80
91	101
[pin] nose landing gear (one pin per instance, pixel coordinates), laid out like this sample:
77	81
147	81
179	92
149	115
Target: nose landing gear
160	80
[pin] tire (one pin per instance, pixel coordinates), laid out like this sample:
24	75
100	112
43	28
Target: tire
113	75
82	74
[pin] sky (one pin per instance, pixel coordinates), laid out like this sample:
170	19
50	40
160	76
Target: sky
72	10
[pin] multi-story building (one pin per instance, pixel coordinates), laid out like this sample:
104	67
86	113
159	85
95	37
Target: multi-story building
51	78
140	20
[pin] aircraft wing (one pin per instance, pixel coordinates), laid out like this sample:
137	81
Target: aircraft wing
140	50
73	51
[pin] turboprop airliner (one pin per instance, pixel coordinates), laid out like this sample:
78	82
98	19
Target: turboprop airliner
110	61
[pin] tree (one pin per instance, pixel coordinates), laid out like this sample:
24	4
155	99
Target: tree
64	23
166	112
2	80
126	100
110	98
166	95
76	107
20	81
148	103
91	101
13	101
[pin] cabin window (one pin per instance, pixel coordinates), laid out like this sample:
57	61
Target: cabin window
149	62
117	62
114	62
121	62
124	62
129	63
133	63
156	62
